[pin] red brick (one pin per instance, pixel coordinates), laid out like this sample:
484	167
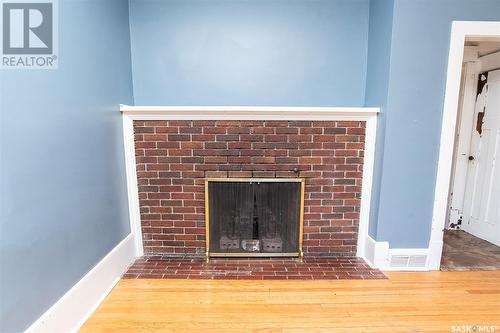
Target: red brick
313	130
227	137
179	137
334	130
287	160
139	129
266	160
275	152
251	152
167	130
324	138
275	138
341	152
286	174
263	130
216	159
203	123
181	167
155	137
349	123
251	138
229	167
216	174
239	159
167	144
357	131
215	145
263	174
214	130
179	123
238	130
180	152
191	145
203	137
174	157
347	138
300	138
239	145
190	130
145	144
287	130
240	174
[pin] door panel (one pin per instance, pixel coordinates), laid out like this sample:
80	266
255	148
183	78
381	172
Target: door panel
483	183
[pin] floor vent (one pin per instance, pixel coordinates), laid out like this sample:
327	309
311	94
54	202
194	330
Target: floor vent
408	261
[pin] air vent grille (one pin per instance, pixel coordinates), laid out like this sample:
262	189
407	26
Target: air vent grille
408	261
417	261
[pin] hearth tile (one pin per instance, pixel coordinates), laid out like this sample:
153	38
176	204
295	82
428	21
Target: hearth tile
252	269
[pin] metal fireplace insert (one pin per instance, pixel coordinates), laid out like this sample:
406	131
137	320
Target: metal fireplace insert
254	217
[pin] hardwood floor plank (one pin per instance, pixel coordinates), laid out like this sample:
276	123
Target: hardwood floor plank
406	302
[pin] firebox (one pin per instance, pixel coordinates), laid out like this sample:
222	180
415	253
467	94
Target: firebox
254	217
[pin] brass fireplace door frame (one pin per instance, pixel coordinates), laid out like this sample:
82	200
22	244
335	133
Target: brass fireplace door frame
254	180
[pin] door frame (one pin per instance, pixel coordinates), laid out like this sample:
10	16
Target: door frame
460	30
465	123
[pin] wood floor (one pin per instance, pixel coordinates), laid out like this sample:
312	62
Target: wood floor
406	302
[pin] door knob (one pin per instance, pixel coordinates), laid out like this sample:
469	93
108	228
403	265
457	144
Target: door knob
471	158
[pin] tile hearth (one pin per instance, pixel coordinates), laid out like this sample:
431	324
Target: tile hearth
164	267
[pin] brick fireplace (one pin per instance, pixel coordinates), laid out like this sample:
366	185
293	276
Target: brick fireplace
174	157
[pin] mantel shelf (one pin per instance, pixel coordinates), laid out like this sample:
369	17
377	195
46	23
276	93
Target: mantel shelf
247	112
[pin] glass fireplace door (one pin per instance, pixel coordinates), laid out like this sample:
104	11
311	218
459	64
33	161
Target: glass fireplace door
254	217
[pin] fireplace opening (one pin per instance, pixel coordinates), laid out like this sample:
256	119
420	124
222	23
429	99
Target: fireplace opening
254	217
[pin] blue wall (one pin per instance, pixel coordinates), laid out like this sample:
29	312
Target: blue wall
249	52
379	52
377	83
63	190
387	53
419	53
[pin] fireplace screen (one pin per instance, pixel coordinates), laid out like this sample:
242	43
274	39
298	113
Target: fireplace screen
254	217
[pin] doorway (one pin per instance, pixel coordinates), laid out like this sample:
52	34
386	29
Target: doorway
471	240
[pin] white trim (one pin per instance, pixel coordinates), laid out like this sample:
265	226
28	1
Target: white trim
366	185
131	113
459	31
71	311
377	253
132	187
246	112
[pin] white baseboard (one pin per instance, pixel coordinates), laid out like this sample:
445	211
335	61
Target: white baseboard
72	310
435	251
379	255
376	253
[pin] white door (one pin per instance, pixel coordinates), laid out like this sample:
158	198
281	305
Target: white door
482	197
